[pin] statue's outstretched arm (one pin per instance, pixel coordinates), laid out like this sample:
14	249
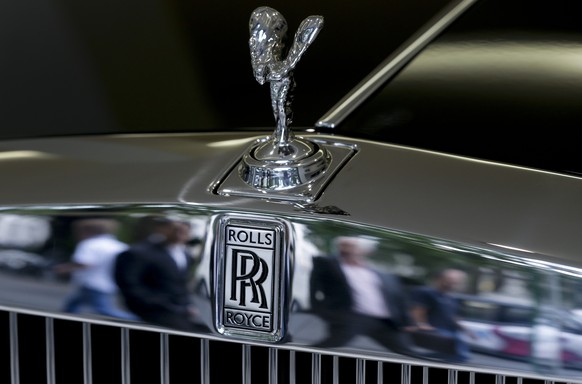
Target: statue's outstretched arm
307	32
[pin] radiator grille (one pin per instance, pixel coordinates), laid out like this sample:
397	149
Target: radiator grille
47	350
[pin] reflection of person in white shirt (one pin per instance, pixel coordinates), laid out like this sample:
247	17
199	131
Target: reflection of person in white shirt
92	268
355	299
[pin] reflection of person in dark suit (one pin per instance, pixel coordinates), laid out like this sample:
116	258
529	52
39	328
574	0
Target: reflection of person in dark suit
153	276
355	299
434	309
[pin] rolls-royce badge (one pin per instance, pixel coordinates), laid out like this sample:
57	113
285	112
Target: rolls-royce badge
249	265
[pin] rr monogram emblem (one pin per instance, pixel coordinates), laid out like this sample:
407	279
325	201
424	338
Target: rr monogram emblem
240	264
248	272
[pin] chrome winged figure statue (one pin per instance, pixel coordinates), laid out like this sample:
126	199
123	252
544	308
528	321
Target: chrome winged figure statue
268	29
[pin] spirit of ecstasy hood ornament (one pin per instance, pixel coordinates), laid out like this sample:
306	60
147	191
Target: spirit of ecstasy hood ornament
268	30
283	161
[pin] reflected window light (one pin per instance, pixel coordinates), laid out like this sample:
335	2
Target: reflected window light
511	248
562	58
448	247
18	155
23	231
32	208
230	143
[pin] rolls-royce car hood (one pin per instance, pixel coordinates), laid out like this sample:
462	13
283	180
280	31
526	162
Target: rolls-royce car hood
382	185
405	224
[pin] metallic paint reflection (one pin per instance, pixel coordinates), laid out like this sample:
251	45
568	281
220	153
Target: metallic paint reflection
410	256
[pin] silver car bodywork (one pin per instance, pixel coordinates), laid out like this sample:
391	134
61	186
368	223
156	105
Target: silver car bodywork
512	230
425	209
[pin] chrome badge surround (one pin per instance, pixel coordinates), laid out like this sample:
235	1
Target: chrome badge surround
250	276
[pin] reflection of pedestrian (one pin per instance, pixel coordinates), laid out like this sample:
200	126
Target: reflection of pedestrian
355	299
92	268
153	276
435	309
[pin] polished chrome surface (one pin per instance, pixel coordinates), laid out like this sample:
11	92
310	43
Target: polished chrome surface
14	358
300	180
280	173
204	361
273	365
521	285
426	209
418	191
335	370
125	357
87	354
282	161
292	367
268	29
402	373
380	373
246	364
393	64
316	368
406	373
164	359
250	276
496	224
50	350
361	371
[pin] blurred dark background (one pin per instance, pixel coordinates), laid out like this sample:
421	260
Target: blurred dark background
503	83
89	66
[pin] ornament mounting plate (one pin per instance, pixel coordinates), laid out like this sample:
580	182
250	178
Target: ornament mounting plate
233	184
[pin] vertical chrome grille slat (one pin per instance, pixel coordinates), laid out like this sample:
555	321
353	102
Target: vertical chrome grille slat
380	374
204	361
14	364
50	350
316	368
273	365
87	356
335	370
164	358
125	357
360	371
405	373
246	364
452	376
292	366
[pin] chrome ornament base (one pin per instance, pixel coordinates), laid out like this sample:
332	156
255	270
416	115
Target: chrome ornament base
271	167
293	178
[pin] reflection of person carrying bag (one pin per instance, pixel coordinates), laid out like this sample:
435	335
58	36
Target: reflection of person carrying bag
354	299
435	313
